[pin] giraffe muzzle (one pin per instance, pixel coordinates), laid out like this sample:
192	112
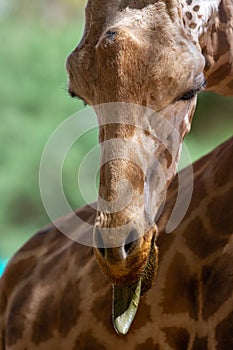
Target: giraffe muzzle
132	268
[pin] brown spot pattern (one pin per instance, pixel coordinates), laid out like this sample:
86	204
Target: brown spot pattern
18	272
223	45
199	193
148	345
207	60
220	212
189	2
101	310
224	171
181	287
199	241
81	254
168	157
126	170
164	241
69	308
222	13
52	269
56	244
224	333
86	341
2	340
143	315
219	74
230	85
57	311
87	214
196	8
46	320
217	284
37	240
189	15
3	300
112	131
200	344
193	25
97	278
177	338
16	321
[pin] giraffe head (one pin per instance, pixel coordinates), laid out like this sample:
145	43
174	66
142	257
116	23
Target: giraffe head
141	54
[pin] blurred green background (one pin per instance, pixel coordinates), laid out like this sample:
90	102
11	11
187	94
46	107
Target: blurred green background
36	37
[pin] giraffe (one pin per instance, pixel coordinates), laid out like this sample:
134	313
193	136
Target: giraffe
182	80
53	295
156	54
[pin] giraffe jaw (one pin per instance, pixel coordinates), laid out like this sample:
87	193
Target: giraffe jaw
125	304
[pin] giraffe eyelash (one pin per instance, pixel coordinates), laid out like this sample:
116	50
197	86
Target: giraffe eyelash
192	93
203	86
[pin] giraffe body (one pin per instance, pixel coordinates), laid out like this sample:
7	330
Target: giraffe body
189	307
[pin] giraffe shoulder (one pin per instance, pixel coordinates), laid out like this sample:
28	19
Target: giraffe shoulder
48	251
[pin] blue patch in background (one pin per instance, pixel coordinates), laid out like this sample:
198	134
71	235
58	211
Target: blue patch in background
3	264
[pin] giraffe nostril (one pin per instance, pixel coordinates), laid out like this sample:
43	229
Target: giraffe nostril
71	93
99	243
131	241
111	34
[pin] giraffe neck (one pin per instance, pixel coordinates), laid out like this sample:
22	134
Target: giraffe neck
198	15
217	47
210	24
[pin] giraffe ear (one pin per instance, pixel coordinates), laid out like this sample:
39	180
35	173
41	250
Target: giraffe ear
125	304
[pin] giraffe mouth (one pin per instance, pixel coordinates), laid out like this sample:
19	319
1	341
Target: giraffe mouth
126	298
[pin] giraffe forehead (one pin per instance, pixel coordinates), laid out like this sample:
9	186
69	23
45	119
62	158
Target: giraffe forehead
141	55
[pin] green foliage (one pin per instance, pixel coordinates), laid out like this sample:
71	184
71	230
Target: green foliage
34	102
52	10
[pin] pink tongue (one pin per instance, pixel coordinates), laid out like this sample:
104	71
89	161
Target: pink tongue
125	304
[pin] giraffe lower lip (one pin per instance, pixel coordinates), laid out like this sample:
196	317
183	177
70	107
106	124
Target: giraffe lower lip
126	299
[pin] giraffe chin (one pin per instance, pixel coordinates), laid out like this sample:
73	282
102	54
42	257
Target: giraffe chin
126	298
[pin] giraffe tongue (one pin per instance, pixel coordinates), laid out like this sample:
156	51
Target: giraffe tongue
125	303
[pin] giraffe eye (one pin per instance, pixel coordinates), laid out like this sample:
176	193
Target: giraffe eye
192	93
188	95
